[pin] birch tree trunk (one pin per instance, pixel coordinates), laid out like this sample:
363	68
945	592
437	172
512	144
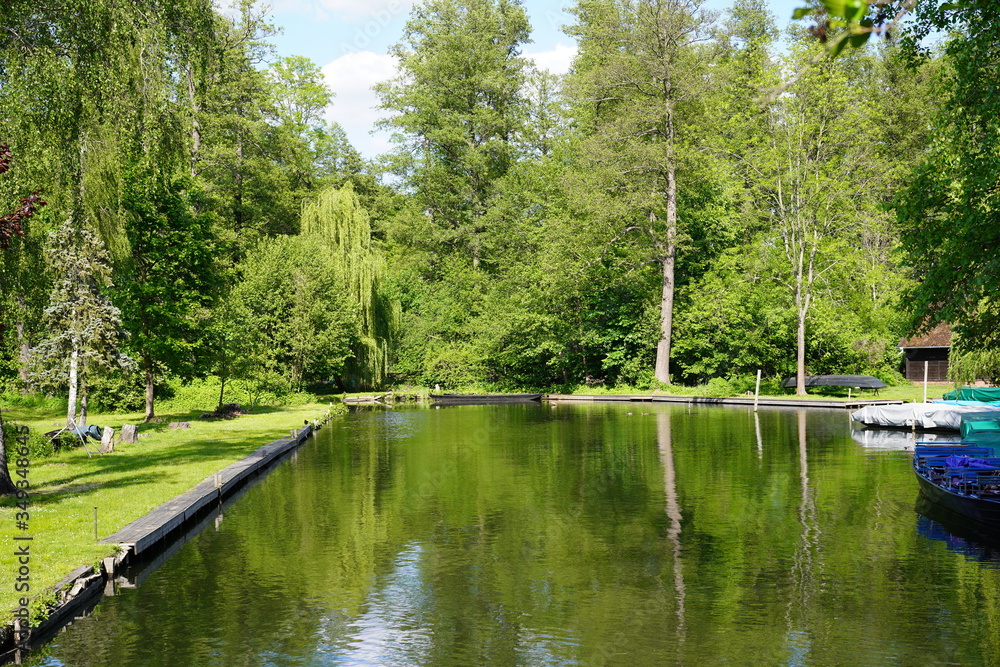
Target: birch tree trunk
82	420
74	367
150	387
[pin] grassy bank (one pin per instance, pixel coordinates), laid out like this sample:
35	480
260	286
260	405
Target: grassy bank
124	485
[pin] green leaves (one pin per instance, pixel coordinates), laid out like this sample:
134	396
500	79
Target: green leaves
840	14
851	11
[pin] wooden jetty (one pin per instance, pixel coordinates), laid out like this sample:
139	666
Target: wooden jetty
849	404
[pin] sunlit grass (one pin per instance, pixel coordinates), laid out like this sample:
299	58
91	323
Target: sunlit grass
124	485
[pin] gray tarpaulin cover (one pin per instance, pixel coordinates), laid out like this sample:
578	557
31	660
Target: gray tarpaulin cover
921	415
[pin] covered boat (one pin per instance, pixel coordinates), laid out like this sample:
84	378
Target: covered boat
985	394
915	415
964	479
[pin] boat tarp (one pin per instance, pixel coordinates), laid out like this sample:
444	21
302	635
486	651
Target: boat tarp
862	381
987	394
969	428
984	439
918	415
979	422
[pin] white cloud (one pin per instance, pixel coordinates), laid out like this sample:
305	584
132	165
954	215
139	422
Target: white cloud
556	60
377	9
351	77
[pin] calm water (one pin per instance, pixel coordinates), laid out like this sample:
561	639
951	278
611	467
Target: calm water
576	535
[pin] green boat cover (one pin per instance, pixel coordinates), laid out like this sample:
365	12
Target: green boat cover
986	394
985	439
970	428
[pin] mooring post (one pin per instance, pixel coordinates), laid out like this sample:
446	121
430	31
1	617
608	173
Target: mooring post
756	392
926	364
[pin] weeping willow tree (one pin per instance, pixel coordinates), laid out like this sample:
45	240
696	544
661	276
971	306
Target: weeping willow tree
341	224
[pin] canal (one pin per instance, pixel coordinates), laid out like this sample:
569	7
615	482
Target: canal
592	534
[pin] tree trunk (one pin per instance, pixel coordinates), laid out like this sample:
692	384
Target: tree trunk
82	420
669	262
666	321
800	349
74	366
150	386
195	124
801	310
222	392
662	370
25	348
7	487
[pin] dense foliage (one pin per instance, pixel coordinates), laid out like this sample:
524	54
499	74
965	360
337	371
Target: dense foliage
691	202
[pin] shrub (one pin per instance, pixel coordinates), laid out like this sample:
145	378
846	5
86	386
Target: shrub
719	388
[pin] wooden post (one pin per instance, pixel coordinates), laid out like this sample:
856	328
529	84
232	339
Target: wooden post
926	364
756	392
108	440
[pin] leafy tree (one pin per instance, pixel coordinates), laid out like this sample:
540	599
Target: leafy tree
301	323
810	177
84	326
336	219
640	78
948	211
458	106
168	285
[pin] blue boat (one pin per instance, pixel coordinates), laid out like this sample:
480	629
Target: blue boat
962	478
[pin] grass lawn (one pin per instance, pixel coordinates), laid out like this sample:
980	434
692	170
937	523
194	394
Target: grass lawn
123	486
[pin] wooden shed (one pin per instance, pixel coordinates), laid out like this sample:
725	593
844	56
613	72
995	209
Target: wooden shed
931	347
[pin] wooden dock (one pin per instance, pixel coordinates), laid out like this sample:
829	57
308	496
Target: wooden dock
152	530
847	404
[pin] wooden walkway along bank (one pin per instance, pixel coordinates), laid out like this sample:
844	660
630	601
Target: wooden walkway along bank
848	404
152	530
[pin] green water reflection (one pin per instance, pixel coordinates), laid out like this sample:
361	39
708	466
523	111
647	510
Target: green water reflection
575	535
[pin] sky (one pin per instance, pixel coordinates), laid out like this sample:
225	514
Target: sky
350	40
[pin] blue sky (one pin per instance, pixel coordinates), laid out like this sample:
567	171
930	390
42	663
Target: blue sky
350	39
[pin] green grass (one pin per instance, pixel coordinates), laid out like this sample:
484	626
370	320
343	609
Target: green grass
124	485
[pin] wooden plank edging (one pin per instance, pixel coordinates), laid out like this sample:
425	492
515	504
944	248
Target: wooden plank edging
149	531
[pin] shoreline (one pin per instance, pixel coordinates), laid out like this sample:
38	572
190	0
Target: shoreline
149	535
848	404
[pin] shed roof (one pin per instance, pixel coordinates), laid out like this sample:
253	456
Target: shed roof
939	336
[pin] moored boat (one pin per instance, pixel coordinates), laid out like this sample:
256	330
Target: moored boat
964	479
